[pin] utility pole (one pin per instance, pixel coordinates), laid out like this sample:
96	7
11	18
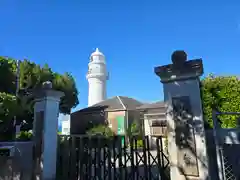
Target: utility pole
18	77
17	87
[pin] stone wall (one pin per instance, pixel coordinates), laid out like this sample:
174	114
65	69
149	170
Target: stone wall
20	164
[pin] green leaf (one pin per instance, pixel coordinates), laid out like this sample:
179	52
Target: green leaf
32	76
223	94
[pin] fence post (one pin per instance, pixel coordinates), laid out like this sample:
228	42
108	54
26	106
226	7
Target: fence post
219	150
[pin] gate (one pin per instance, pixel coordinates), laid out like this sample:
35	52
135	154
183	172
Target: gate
84	157
227	149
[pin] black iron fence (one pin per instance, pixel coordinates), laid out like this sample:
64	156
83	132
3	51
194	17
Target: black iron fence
115	158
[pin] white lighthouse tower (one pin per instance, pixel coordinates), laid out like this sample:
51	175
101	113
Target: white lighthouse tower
97	77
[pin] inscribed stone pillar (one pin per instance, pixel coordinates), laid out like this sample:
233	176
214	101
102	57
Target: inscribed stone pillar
46	126
186	136
38	124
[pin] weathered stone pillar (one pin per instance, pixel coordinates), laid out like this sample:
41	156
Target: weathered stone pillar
186	135
45	128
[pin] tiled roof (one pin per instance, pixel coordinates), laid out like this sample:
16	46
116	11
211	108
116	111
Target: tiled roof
119	103
159	104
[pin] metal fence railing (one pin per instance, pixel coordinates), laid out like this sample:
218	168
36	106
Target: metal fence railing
103	158
228	154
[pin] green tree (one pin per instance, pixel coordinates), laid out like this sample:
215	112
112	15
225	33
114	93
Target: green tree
7	75
8	107
31	78
221	93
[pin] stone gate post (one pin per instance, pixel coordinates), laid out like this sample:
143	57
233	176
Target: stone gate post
46	111
186	136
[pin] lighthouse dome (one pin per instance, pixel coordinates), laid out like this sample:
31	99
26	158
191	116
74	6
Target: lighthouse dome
97	57
97	53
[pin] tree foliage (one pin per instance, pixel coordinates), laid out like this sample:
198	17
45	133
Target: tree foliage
31	78
7	75
133	129
8	106
221	93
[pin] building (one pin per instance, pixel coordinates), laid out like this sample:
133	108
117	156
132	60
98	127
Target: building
154	124
118	112
97	77
154	118
87	118
64	124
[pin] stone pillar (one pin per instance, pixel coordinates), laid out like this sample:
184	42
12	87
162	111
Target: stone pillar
45	128
186	135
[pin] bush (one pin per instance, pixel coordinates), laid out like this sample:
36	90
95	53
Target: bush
137	145
101	130
24	136
221	93
134	130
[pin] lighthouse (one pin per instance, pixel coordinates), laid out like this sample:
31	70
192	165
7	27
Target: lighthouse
97	77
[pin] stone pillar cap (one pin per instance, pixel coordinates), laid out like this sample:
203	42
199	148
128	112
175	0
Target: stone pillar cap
180	69
47	91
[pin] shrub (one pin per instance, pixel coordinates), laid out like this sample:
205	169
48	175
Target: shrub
221	93
139	143
134	130
24	136
136	145
101	130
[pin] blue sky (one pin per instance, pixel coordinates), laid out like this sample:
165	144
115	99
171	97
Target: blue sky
135	36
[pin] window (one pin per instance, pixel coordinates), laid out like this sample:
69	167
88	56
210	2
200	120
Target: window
89	71
65	129
159	123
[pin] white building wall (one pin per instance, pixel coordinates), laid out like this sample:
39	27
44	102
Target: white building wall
147	127
148	132
66	127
